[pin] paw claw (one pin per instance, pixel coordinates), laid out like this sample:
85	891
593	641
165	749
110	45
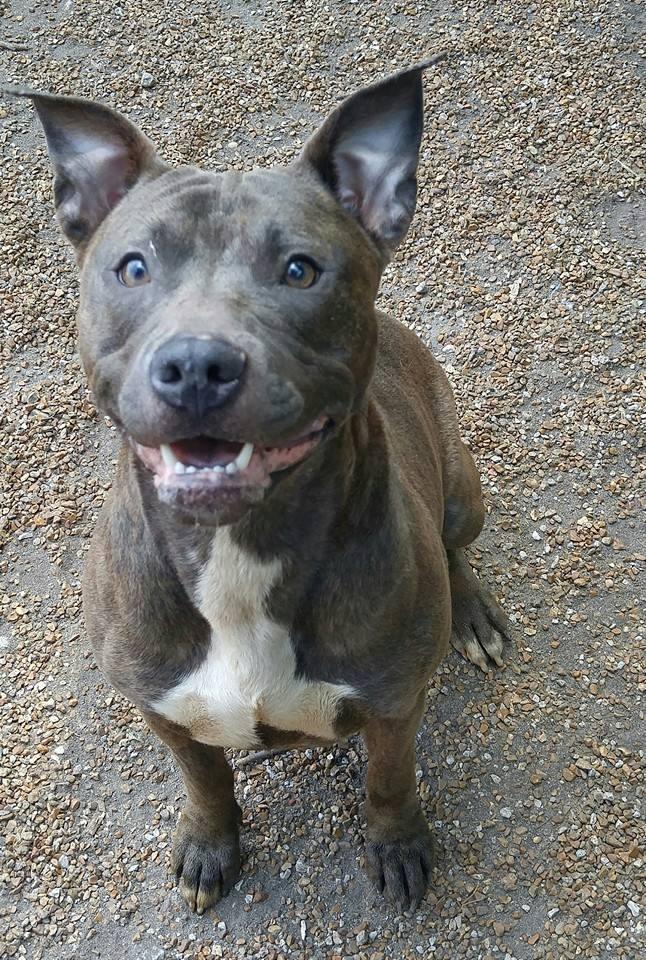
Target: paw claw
205	869
470	648
496	648
480	630
401	869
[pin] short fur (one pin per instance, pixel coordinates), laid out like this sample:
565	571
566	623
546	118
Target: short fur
320	605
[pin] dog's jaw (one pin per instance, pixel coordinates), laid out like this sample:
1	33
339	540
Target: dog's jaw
224	477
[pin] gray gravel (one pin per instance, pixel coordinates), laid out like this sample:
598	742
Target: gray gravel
523	272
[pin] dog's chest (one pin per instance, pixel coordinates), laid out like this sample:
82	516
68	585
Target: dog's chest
248	676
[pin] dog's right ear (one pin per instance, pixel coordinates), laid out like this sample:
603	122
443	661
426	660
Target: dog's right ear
97	156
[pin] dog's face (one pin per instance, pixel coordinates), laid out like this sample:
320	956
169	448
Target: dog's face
227	321
222	313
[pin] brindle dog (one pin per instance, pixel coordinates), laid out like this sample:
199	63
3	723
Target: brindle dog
281	556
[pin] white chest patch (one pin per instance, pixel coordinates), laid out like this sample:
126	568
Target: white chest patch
249	674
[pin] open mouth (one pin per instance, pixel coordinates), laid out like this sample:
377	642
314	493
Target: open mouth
201	466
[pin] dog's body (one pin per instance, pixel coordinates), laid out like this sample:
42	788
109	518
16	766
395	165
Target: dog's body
304	632
256	589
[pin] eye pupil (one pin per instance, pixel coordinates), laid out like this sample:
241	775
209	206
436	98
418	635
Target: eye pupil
301	273
133	272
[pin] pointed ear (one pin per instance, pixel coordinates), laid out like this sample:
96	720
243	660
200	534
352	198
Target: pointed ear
367	151
97	156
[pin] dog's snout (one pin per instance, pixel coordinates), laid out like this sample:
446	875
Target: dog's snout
195	374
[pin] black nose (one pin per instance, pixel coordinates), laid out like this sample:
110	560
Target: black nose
196	375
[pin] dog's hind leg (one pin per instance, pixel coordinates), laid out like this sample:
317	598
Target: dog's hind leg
206	849
480	627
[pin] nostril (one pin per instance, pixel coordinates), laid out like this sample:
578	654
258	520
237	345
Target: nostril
170	373
196	374
226	367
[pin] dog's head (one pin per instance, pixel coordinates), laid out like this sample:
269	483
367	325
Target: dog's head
227	321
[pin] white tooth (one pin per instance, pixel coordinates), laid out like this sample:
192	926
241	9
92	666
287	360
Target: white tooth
218	468
231	468
168	456
244	457
179	467
191	469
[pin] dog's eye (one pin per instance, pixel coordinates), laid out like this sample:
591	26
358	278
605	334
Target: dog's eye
301	272
133	272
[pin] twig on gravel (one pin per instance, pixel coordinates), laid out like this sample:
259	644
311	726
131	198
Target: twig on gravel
16	46
253	758
635	173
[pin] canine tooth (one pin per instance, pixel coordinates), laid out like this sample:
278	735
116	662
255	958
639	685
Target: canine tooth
231	468
179	467
191	469
244	457
168	456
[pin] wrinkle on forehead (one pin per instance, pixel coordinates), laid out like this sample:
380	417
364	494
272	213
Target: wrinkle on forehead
207	217
220	218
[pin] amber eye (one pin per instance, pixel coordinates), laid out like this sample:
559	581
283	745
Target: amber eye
301	272
133	272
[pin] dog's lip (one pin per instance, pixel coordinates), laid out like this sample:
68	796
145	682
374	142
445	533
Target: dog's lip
201	464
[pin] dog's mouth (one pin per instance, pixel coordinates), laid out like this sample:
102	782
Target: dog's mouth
202	467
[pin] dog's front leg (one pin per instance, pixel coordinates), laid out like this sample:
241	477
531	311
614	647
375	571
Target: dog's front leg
399	849
206	849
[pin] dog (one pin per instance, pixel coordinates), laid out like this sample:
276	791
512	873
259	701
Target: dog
280	561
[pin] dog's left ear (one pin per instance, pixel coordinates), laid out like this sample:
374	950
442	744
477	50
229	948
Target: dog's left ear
367	151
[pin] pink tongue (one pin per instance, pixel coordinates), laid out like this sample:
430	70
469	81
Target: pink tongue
205	452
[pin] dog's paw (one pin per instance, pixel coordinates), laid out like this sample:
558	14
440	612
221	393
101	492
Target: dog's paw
205	869
401	869
480	629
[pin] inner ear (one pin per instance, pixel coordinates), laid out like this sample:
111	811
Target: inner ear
97	156
375	174
367	152
87	186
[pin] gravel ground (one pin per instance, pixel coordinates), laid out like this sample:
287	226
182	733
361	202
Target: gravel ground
522	272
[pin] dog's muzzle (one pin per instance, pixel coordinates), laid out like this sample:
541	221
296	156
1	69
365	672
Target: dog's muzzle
196	374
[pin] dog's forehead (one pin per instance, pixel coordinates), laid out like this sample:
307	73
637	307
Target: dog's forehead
203	194
211	210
